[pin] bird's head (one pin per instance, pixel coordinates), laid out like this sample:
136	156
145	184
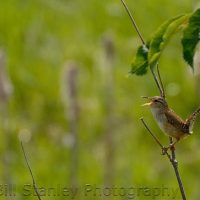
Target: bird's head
156	102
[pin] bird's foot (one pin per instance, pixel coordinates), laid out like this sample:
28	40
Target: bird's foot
165	149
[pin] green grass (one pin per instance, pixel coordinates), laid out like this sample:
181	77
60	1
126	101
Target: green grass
39	37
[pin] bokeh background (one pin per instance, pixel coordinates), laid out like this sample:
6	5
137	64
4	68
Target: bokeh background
65	93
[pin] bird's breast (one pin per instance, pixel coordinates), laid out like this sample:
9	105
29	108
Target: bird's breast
160	118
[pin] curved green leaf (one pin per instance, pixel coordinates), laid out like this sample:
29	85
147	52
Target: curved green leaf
150	54
191	37
162	36
140	63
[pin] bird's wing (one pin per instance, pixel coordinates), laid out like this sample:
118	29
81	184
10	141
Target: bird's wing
176	121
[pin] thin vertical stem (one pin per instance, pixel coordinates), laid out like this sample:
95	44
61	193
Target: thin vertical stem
160	82
133	22
175	166
31	173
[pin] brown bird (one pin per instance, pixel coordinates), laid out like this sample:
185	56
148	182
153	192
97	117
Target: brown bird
169	122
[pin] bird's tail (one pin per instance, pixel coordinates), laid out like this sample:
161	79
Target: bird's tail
190	120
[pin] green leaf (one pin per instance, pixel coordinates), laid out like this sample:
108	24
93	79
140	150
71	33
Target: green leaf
191	37
140	63
163	35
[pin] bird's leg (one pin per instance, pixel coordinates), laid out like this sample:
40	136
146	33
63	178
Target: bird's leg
171	146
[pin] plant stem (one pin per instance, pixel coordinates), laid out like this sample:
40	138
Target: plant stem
171	158
29	168
175	166
134	23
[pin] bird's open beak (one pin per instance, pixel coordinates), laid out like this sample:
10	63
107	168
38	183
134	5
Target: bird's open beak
149	103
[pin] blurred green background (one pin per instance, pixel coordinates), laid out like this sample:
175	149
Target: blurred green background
65	93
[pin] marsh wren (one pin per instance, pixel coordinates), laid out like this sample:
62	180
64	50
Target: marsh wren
169	122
